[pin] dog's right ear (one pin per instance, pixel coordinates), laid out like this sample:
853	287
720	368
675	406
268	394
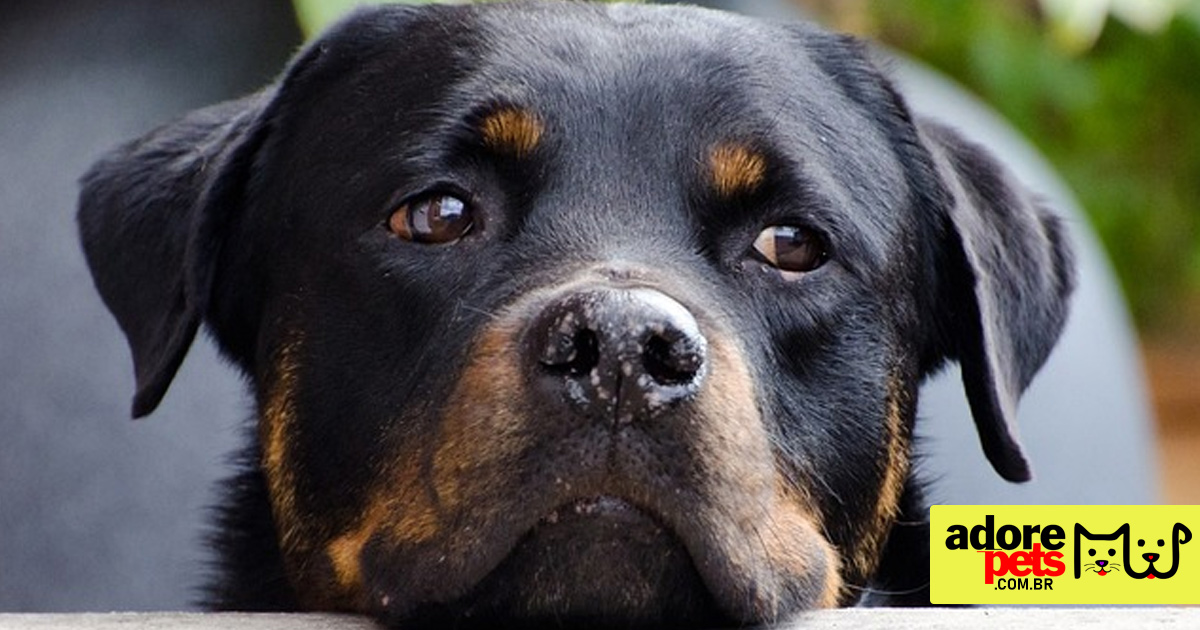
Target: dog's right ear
154	215
150	218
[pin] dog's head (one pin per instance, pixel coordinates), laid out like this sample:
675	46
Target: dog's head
580	312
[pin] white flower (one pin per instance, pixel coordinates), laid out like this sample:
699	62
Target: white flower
1076	24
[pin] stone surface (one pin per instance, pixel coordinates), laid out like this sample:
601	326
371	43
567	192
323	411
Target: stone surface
850	619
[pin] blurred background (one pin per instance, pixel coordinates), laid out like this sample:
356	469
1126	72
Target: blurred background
1094	103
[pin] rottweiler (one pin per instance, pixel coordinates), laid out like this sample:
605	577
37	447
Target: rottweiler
577	314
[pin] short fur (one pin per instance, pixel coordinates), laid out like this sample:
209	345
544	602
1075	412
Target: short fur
424	451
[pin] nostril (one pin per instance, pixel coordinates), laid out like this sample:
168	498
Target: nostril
672	361
571	353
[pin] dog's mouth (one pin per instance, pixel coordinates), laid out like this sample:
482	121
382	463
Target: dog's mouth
601	507
610	554
598	561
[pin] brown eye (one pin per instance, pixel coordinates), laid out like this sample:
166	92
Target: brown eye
790	248
432	219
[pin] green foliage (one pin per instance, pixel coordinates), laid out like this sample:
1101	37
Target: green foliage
1121	121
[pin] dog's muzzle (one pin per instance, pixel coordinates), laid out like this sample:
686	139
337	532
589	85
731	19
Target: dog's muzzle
617	354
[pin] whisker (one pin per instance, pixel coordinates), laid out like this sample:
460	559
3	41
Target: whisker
475	309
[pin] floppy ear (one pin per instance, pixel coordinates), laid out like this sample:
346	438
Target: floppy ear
151	216
1002	267
156	214
1004	278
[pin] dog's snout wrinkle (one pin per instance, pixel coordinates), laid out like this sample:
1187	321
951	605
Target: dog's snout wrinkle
619	353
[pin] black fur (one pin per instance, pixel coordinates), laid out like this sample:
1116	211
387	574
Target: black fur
248	571
267	219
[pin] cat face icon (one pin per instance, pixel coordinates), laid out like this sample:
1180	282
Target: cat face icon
1153	551
1100	554
1101	565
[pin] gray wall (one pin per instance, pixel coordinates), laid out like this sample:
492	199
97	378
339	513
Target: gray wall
98	512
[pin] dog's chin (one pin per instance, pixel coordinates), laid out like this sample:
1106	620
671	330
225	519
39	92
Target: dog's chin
596	562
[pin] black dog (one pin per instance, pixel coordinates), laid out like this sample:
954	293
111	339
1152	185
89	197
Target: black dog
575	313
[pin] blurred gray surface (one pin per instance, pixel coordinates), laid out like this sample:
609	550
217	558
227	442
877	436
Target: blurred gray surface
100	513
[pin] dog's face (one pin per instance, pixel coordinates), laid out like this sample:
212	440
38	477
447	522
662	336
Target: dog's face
576	312
1164	552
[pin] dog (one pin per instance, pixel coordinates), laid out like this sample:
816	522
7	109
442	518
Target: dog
1180	535
591	315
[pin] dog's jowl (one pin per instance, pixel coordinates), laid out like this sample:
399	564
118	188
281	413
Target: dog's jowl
577	314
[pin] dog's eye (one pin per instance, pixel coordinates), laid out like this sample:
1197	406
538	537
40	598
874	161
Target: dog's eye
432	219
790	248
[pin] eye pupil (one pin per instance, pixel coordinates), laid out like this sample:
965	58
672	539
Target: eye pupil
432	219
790	248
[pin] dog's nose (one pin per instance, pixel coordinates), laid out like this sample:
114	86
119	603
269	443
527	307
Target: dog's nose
620	354
1102	563
1150	557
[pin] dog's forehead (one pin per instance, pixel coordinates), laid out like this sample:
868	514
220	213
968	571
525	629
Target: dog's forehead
620	37
713	68
694	83
706	76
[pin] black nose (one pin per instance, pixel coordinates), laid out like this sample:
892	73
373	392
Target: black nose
1102	563
619	354
1150	557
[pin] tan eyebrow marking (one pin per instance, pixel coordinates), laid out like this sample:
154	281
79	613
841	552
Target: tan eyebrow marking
512	130
736	168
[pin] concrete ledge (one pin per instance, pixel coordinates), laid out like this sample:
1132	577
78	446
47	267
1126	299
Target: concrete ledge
183	621
850	619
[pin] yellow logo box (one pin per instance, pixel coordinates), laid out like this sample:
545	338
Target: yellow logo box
1064	554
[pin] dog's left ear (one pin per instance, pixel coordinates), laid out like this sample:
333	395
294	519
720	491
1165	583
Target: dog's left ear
1000	270
1005	273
